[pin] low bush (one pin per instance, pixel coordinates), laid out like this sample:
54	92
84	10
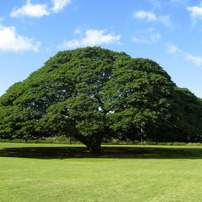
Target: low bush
65	140
42	141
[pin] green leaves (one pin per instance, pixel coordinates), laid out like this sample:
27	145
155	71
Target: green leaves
95	93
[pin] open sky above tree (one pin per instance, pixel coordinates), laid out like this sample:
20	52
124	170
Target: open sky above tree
168	32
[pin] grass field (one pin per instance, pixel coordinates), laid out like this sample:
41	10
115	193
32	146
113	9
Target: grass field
36	172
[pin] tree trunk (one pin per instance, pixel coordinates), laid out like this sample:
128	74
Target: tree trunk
94	147
93	142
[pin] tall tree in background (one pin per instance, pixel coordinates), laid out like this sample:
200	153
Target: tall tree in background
94	94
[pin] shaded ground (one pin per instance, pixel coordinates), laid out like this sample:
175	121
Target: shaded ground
107	152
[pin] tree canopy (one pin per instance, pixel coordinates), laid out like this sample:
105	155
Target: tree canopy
94	94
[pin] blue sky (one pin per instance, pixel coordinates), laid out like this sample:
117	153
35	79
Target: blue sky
168	32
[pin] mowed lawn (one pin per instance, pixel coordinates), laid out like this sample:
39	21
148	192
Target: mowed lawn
31	172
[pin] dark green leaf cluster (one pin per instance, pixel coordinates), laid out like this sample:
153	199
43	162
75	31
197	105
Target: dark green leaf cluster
96	94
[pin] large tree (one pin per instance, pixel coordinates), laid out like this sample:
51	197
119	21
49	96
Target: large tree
95	94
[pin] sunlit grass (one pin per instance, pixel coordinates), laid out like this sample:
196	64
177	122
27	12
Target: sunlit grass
103	179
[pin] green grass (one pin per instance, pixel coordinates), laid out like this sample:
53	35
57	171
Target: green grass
30	172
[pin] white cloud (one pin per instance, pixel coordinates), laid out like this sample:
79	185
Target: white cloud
156	3
152	17
171	48
148	36
92	38
143	15
140	39
178	1
39	10
165	20
196	12
11	41
58	5
30	10
174	1
195	59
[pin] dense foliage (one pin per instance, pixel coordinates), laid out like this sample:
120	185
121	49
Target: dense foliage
94	94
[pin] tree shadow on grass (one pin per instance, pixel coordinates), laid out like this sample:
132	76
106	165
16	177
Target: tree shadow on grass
107	152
